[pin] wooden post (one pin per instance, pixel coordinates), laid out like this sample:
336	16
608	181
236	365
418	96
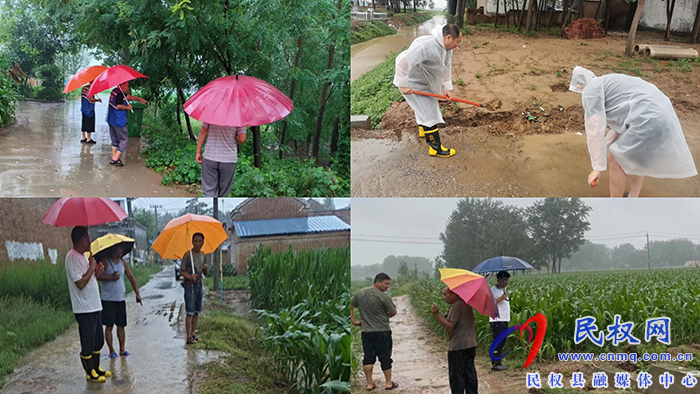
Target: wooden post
505	8
608	10
633	30
495	23
529	16
670	5
696	27
551	14
522	11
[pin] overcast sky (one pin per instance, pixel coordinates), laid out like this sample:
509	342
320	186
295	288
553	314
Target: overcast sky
173	205
613	222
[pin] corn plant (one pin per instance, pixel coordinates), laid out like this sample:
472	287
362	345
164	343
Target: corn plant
562	298
306	317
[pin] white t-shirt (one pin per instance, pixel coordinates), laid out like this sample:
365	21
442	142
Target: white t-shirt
87	299
503	306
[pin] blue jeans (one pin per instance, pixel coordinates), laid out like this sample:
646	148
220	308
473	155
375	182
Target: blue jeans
193	299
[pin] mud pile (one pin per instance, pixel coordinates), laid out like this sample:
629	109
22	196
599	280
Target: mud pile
585	28
512	121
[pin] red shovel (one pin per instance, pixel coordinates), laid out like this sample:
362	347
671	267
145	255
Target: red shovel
445	98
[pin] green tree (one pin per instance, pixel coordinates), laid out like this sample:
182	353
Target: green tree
479	229
590	256
557	226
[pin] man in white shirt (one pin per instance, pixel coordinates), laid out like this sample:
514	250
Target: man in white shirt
86	303
500	324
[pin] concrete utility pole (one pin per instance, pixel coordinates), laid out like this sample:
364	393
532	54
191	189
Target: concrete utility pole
648	254
133	226
217	260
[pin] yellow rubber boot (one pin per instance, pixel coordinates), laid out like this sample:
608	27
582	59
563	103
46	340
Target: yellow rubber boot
421	132
432	137
96	366
90	374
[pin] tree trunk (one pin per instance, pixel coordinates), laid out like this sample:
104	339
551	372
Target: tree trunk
256	146
633	29
334	137
670	5
696	27
322	107
567	16
522	12
414	5
560	265
181	94
495	24
460	13
608	10
291	94
551	14
177	113
529	16
452	7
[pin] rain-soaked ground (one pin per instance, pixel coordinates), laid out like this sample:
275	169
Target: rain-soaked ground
159	361
41	156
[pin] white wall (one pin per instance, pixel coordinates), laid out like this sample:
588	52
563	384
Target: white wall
654	15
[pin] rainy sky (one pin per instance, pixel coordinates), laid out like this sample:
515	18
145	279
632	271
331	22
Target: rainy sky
411	226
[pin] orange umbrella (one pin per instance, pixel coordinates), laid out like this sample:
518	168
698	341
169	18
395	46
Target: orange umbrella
176	238
83	76
472	288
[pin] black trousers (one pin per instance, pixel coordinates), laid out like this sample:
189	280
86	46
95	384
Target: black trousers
377	344
497	328
462	371
90	330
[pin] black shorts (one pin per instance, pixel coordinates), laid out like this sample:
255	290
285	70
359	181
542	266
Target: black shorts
114	313
377	344
88	125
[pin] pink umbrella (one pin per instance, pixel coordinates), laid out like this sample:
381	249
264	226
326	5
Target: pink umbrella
76	211
112	77
238	101
472	288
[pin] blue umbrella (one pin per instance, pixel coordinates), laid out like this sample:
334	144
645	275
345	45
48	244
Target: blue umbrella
502	263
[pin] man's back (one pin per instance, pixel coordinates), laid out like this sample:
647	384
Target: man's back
374	306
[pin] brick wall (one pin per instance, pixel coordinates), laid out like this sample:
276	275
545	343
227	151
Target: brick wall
21	222
244	247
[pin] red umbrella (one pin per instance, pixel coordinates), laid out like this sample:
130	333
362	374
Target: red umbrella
83	76
112	77
78	211
238	101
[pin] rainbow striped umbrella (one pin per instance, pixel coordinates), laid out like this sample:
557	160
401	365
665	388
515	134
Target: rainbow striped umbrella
472	288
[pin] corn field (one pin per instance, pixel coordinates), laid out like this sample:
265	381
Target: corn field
562	298
307	326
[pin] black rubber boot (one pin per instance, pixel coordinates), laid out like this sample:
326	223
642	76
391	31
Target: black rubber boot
90	373
432	137
96	365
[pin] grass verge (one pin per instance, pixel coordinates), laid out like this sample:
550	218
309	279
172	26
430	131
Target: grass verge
365	31
230	283
244	368
373	93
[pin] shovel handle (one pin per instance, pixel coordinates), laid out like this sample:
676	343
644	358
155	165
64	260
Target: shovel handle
445	97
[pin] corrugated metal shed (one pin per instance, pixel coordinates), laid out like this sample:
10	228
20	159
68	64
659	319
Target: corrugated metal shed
316	224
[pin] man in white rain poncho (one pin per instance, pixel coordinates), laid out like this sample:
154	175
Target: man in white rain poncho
645	139
427	66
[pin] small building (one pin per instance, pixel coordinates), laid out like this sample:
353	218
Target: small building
279	223
129	228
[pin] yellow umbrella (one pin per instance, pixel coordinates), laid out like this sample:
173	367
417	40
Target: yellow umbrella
107	241
176	238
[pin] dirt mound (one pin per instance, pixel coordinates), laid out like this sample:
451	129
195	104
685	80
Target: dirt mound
560	87
684	105
585	28
492	105
506	122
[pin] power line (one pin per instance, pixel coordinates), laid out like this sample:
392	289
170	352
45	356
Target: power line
397	242
390	236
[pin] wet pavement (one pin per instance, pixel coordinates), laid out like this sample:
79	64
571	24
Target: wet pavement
159	361
41	156
367	55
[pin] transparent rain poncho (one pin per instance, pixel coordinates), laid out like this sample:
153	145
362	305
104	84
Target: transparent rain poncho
425	66
646	137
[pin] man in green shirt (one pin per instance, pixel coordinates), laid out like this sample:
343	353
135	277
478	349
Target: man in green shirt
192	282
462	347
376	308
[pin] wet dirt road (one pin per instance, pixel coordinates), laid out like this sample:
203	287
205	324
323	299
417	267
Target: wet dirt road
420	356
41	156
367	55
159	363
